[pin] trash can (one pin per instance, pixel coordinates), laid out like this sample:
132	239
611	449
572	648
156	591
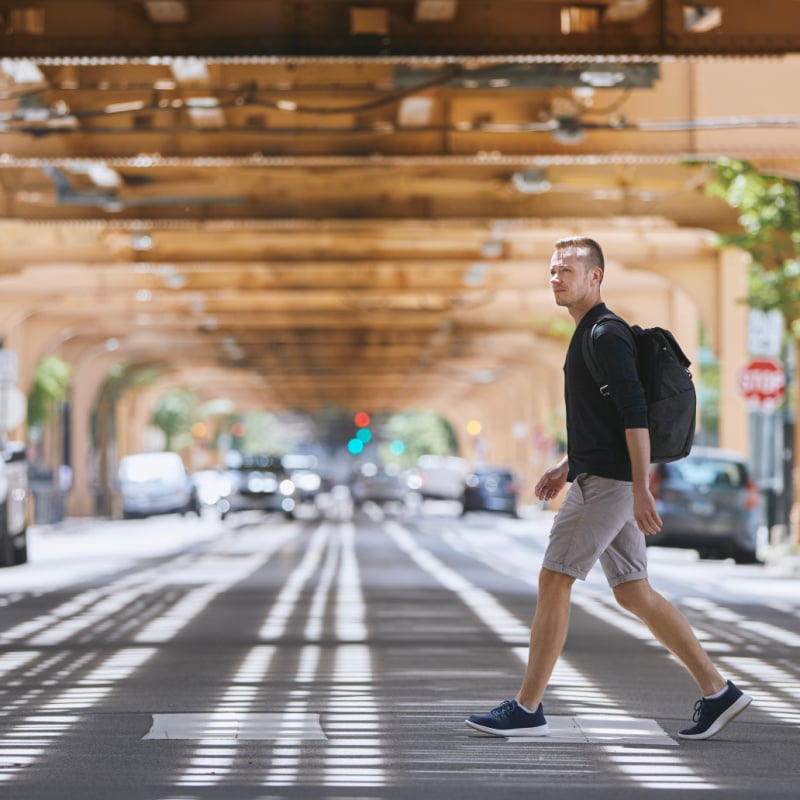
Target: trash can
48	504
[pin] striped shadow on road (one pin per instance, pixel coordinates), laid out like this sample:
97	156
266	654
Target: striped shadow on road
601	730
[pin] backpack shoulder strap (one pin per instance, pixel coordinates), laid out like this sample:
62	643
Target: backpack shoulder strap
588	352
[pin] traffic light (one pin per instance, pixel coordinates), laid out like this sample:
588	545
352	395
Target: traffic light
355	446
363	434
362	419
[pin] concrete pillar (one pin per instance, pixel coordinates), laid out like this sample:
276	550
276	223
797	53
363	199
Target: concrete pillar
32	337
88	375
734	424
794	512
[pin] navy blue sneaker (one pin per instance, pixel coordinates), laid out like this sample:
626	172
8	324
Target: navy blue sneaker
510	719
712	716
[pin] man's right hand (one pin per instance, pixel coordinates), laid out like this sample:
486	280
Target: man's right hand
553	481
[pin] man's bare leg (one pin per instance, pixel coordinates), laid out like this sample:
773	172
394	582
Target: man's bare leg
672	629
548	635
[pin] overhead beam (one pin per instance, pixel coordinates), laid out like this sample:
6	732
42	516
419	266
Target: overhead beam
295	29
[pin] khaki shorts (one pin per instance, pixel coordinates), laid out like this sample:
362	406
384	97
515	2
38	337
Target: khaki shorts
596	522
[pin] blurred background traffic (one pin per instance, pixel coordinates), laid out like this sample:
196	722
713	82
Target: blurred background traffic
234	232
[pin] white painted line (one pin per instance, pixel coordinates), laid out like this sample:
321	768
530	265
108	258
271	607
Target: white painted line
483	604
595	730
781	701
284	606
213	726
350	712
605	721
100	682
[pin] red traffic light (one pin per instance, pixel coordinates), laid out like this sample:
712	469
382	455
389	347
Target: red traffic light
362	419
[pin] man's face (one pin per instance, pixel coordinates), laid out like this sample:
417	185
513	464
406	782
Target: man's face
571	279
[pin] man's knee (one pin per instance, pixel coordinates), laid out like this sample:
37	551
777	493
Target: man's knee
551	581
634	596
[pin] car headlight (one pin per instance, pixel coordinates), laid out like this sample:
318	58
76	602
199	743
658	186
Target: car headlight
255	484
286	487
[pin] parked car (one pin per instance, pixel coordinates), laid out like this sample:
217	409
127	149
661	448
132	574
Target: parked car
441	477
212	485
378	483
491	489
259	482
709	503
13	505
156	483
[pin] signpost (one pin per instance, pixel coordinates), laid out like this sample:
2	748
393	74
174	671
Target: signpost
762	382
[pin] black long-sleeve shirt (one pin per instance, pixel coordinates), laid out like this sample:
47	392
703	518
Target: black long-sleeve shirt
596	424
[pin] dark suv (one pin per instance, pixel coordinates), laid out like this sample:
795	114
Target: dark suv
259	482
491	489
709	503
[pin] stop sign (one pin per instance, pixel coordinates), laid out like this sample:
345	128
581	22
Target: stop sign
762	381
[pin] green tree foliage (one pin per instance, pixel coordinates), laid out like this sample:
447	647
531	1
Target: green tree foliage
265	432
769	219
122	377
50	387
422	432
174	415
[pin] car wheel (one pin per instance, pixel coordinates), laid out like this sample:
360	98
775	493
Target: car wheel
6	552
6	544
741	556
21	551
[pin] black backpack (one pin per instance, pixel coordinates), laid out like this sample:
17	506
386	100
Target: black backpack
668	388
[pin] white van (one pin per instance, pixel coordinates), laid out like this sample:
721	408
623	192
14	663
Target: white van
442	477
156	483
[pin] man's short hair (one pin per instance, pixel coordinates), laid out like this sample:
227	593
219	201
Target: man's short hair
589	250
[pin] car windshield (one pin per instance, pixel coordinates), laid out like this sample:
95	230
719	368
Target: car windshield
709	472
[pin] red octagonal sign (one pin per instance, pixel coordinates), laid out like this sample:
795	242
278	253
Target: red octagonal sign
763	381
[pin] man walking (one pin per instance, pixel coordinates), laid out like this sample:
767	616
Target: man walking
607	510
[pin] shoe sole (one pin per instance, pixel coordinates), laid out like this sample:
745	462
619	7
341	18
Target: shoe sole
539	730
722	720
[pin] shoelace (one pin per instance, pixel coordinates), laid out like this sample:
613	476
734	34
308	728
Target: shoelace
505	708
699	706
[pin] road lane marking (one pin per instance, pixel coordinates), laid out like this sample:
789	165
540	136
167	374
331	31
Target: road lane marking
212	761
284	606
781	700
351	714
224	726
345	725
648	771
617	729
765	630
38	731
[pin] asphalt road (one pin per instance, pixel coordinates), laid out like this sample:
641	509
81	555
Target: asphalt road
186	659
